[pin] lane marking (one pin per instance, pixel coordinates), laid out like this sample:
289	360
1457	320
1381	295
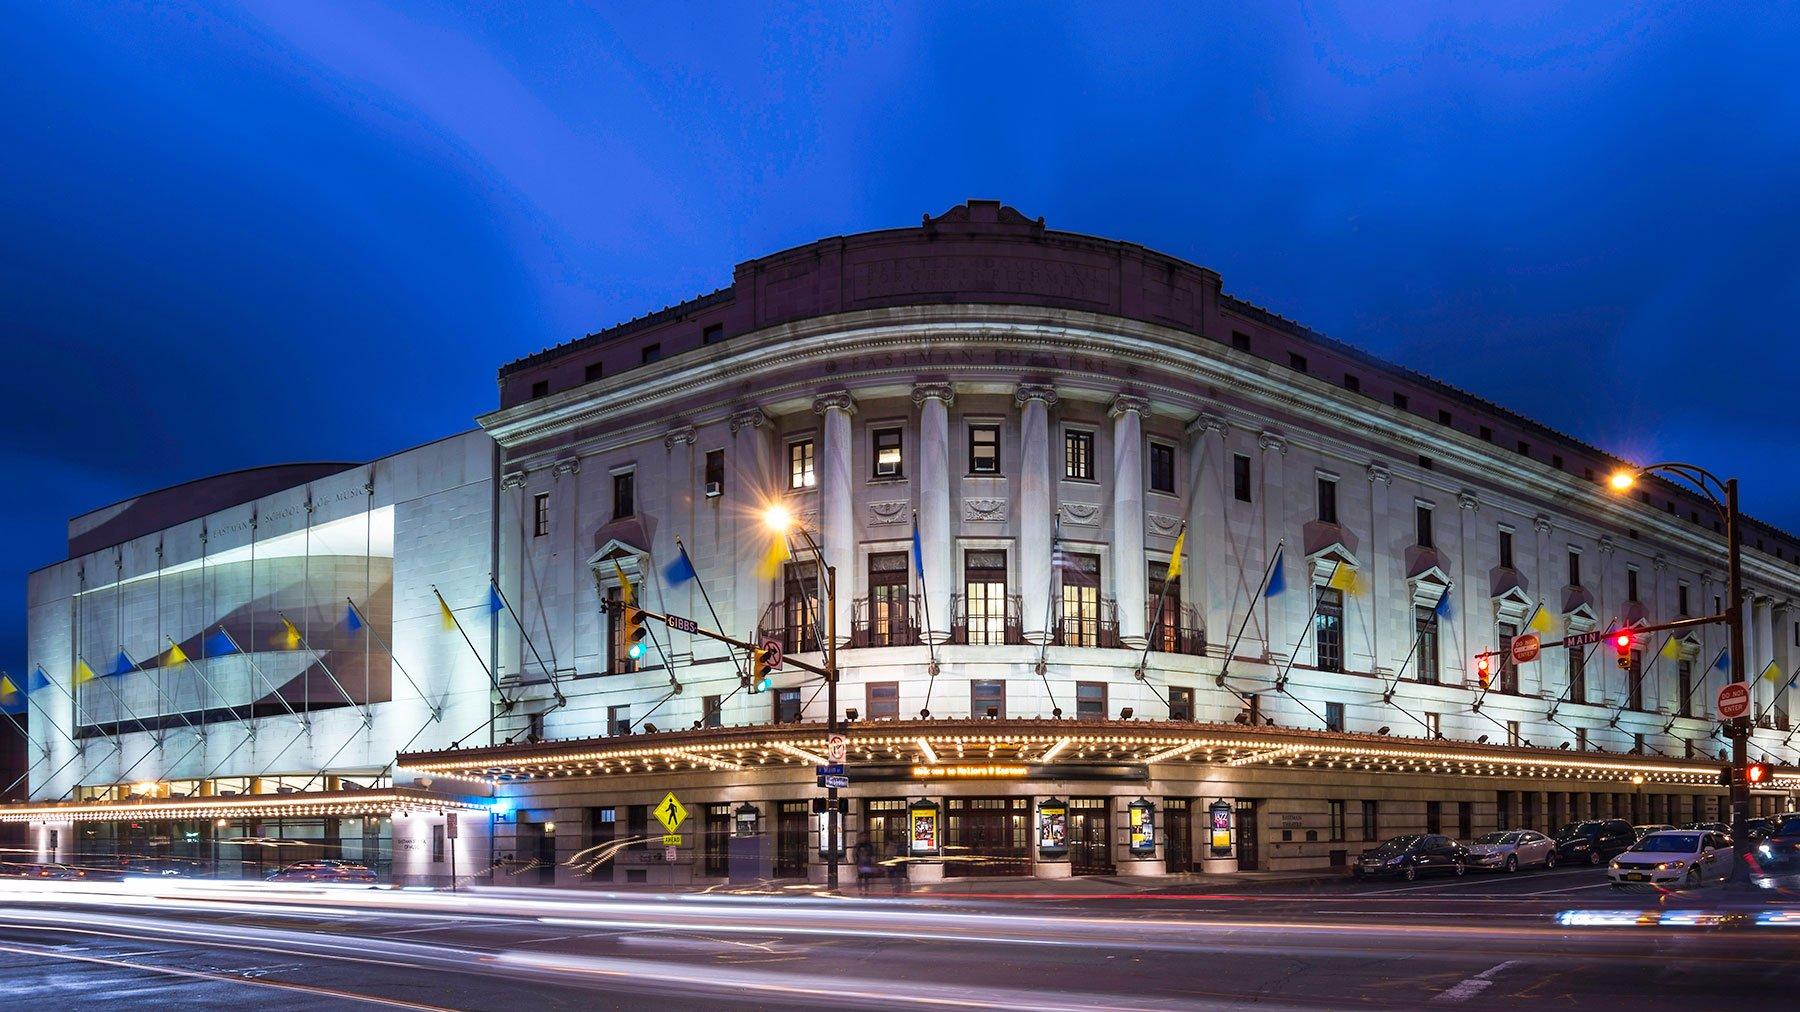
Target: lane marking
1469	987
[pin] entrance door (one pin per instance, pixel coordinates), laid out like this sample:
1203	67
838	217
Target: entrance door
987	836
1178	834
717	840
1090	836
1249	838
790	839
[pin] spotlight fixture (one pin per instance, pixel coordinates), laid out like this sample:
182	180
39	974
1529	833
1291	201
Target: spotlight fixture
1481	740
1385	730
649	728
1564	746
1056	712
993	712
924	714
1125	714
851	713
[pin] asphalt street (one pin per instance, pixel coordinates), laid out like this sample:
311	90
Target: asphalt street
1549	939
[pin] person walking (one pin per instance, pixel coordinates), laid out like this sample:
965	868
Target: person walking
865	867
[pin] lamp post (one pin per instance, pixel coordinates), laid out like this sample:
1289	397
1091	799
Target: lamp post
1725	501
781	521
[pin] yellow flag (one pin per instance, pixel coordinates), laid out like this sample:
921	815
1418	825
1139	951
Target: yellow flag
1772	672
444	612
7	688
627	592
176	655
1672	649
1344	578
1541	620
1175	554
773	558
290	634
83	673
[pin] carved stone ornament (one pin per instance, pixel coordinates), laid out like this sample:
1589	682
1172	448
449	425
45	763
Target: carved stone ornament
749	418
1129	402
1380	472
1207	422
1271	440
1467	500
512	479
984	510
684	434
882	514
1607	546
1162	523
570	465
1035	392
1541	523
930	391
839	401
1081	513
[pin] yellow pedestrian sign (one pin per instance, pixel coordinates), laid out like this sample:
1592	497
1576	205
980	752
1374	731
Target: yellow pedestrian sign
670	813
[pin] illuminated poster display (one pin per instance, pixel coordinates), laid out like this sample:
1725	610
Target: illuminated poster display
1053	828
1221	829
922	817
1143	827
825	835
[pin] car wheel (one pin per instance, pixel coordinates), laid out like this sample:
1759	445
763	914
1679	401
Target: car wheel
1593	857
1512	863
1550	860
1410	872
1693	878
1458	868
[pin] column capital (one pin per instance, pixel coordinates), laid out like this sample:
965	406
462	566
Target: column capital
677	436
748	418
1541	523
1129	402
1379	472
1268	439
513	479
837	401
1035	392
923	392
1467	500
1607	545
1208	422
568	465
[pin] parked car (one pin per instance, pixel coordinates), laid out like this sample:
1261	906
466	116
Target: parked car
1512	849
1593	841
1408	857
1710	827
1759	829
1639	832
322	871
34	869
1681	857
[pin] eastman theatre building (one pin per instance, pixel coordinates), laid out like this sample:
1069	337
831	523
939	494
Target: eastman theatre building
1194	588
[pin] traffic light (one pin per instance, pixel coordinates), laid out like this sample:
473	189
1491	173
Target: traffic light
1756	773
1484	670
1621	642
761	677
635	632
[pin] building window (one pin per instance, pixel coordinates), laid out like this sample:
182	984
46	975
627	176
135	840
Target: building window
618	719
787	706
624	495
887	453
1181	703
800	465
1240	340
1681	606
1090	700
1512	733
1080	600
1352	384
800	603
987	698
715	473
984	596
1328	629
1509	672
540	514
1487	433
984	449
1327	500
1444	416
1631	583
712	333
1078	455
1334	716
1371	820
1577	675
593	372
1684	687
1506	548
1336	814
1162	468
1574	567
1422	524
1240	477
889	623
1434	725
1400	400
1165	609
1296	361
1634	682
883	699
1524	448
651	353
541	388
710	711
1425	626
618	654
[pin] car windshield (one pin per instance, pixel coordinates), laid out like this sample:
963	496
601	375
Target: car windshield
1669	843
1576	829
1398	844
1493	838
1790	826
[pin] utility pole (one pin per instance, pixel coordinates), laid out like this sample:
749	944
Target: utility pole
1740	727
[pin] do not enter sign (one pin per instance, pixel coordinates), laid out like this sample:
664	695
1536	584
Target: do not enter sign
1525	648
1734	700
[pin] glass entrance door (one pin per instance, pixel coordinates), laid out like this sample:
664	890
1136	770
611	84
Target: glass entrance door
987	836
1090	836
1249	846
1178	834
791	830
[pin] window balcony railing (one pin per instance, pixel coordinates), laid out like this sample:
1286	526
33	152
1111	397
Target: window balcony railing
885	622
791	627
1097	629
1176	631
987	628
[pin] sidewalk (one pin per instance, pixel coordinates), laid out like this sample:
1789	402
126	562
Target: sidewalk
1113	885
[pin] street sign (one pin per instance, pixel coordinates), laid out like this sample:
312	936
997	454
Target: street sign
450	825
1583	639
839	782
1525	648
835	747
771	649
671	839
686	625
669	855
834	770
670	812
1734	700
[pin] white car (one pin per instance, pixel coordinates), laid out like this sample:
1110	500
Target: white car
1673	857
1512	849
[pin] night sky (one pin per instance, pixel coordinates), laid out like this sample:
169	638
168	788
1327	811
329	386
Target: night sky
239	235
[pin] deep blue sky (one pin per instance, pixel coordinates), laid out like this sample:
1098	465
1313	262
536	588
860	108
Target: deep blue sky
237	235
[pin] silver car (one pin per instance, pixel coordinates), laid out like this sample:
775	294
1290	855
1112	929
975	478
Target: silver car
1512	849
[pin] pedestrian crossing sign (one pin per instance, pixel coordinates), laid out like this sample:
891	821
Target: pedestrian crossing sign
670	812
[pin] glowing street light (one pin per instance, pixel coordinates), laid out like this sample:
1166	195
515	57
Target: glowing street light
778	518
1621	481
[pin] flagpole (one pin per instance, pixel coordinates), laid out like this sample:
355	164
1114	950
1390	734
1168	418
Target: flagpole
736	661
1162	597
47	718
361	616
189	661
495	682
319	659
1249	610
256	670
549	669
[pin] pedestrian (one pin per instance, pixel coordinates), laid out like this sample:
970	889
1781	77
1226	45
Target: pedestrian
896	866
865	867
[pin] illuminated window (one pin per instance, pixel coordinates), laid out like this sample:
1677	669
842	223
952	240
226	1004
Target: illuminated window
887	453
1080	625
1328	629
984	449
800	465
984	596
1078	455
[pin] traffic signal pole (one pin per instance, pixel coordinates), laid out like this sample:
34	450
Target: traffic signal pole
1740	727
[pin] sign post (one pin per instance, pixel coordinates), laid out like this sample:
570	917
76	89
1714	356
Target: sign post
450	835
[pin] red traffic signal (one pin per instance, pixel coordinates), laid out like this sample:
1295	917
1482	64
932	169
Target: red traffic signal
1756	773
1484	670
1622	642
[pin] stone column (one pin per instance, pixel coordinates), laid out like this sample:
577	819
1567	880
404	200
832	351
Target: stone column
749	466
1128	413
1036	508
934	400
837	531
1204	580
679	482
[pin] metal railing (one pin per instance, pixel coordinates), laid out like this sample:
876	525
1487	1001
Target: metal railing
989	630
885	622
1177	631
795	633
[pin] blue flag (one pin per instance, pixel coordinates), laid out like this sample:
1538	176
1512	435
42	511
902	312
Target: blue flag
122	664
218	643
1724	660
495	603
39	680
679	571
1277	579
352	621
918	553
1445	610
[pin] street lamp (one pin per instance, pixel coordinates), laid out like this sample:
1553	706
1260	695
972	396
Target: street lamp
1725	501
780	520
